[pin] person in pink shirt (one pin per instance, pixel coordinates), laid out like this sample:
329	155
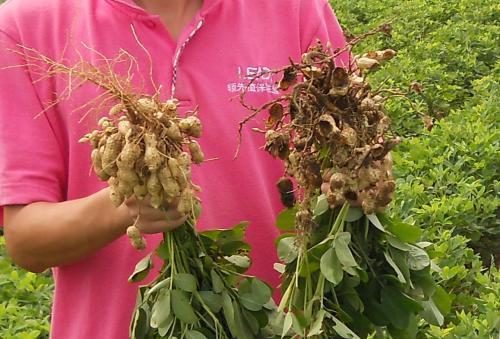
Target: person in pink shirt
57	214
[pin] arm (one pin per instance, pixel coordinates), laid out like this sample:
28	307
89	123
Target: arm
43	235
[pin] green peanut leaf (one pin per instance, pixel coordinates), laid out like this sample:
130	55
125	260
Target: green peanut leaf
217	283
343	251
395	267
139	328
212	300
442	300
287	325
342	330
431	313
403	231
141	269
228	310
354	214
418	259
239	260
331	268
254	294
376	222
234	247
185	282
161	309
396	243
317	327
287	251
162	251
192	334
160	285
286	219
182	307
244	332
322	206
398	307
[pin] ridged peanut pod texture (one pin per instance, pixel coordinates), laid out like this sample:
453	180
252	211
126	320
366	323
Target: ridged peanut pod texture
144	148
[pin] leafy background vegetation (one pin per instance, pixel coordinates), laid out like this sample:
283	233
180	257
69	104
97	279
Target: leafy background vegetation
447	176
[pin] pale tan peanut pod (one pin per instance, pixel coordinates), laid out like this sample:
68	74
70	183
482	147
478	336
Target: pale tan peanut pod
130	153
184	174
191	126
157	200
117	109
185	204
184	160
386	54
97	164
196	154
162	148
94	138
152	157
173	132
356	80
133	232
139	244
126	174
146	106
111	152
102	139
171	187
125	188
171	106
161	116
115	195
104	122
140	191
124	127
367	63
153	184
173	166
168	182
86	138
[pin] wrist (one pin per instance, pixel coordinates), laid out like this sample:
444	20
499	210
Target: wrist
116	219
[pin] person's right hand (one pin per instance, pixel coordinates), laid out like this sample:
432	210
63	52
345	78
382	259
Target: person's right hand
150	220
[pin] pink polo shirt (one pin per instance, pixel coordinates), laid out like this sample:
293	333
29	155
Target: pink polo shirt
227	43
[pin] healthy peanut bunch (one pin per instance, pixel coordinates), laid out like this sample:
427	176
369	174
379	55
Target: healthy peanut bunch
144	148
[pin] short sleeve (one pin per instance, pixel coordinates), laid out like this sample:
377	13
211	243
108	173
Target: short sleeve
31	162
318	22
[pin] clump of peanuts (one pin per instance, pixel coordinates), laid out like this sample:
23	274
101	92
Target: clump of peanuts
330	129
143	148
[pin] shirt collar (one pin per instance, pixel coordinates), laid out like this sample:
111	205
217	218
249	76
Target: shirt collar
131	7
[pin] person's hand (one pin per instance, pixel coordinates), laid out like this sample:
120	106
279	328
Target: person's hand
150	220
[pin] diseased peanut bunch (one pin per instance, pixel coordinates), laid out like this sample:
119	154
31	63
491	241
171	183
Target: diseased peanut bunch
331	131
143	148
